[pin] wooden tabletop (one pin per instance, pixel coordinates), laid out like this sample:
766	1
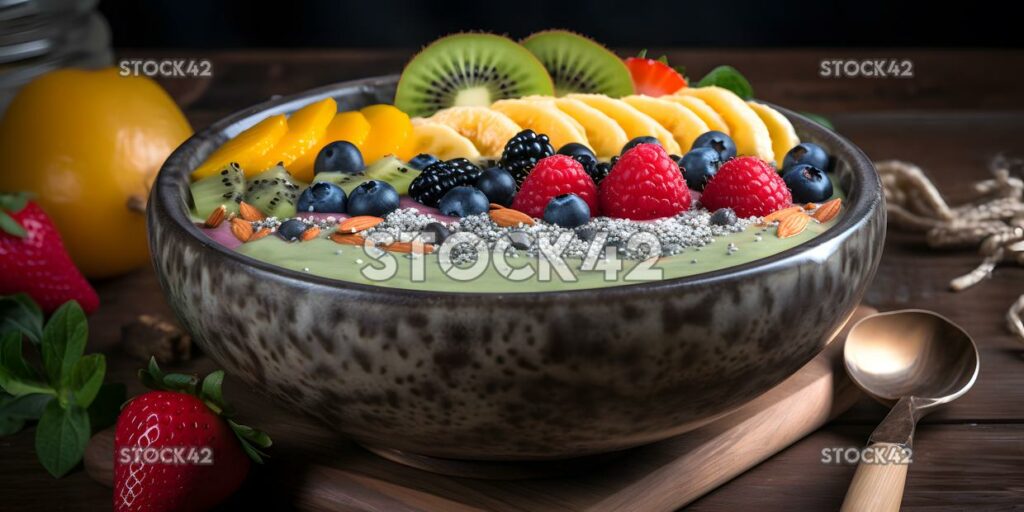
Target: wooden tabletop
960	109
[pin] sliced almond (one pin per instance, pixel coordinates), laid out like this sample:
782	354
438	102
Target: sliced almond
408	247
507	218
259	234
360	223
309	234
495	206
828	211
216	217
810	206
778	215
792	225
348	239
249	212
241	228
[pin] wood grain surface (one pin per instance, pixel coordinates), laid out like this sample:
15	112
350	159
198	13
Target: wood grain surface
961	108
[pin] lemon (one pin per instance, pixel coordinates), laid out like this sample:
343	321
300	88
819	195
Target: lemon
681	121
543	117
441	141
632	121
781	130
745	127
488	129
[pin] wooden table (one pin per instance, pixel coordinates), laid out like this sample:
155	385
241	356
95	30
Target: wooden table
960	109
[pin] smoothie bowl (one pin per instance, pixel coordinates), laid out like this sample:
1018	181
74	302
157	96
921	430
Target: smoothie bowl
659	291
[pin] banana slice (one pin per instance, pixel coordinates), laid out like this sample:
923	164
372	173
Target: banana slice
543	117
681	121
781	130
441	141
488	129
606	137
702	109
634	122
745	127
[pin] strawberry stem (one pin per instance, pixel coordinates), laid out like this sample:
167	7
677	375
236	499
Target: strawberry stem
9	204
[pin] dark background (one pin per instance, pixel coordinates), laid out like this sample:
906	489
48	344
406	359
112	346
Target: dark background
709	23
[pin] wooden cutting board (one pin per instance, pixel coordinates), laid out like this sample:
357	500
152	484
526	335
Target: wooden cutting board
314	470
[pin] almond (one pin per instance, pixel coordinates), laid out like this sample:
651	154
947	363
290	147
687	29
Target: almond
792	225
507	218
828	211
309	234
360	223
259	234
408	247
242	229
495	206
810	206
249	212
216	217
778	215
348	239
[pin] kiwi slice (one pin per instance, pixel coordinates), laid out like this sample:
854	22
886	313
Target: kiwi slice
224	187
469	69
346	180
274	192
393	171
579	64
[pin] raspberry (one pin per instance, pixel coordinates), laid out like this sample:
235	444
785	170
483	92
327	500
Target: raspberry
554	176
749	186
644	184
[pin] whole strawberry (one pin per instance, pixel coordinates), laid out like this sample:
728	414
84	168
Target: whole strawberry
749	186
551	177
33	259
644	184
177	448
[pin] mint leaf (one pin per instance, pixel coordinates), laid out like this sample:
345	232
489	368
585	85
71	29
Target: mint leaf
106	407
12	360
61	436
19	387
25	407
727	77
87	377
21	313
64	342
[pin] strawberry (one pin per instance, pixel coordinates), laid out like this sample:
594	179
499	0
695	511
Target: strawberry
554	176
749	186
33	259
645	183
177	448
653	77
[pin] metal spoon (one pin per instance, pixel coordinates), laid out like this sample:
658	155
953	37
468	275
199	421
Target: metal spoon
917	360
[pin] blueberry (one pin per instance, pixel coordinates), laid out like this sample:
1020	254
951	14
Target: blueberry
322	197
498	185
808	184
575	149
463	201
723	217
520	240
718	141
291	229
372	197
805	153
699	166
435	233
644	139
421	161
339	156
567	211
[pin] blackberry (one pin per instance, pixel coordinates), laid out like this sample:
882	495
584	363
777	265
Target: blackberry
440	177
523	151
599	171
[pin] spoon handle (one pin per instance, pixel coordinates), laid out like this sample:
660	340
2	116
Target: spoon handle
878	486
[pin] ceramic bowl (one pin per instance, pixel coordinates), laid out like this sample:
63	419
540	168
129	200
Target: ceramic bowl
511	376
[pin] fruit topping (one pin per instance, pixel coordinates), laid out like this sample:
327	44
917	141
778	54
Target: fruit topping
393	171
681	121
441	140
654	77
605	136
634	122
438	178
543	117
579	64
469	70
748	185
779	128
390	133
806	153
585	157
644	184
292	229
567	211
322	197
339	156
498	185
745	127
347	126
808	183
523	151
422	160
636	141
488	129
273	192
718	141
373	197
306	128
223	188
723	217
551	177
246	147
699	166
463	201
435	233
347	182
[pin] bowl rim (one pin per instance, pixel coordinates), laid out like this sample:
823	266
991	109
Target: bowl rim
165	198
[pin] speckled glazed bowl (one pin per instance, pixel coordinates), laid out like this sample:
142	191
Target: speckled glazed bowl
515	376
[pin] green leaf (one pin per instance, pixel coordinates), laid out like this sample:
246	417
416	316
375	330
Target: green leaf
11	358
728	77
64	340
106	407
61	437
20	313
19	387
212	385
11	227
25	407
10	426
87	377
14	203
181	382
820	119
